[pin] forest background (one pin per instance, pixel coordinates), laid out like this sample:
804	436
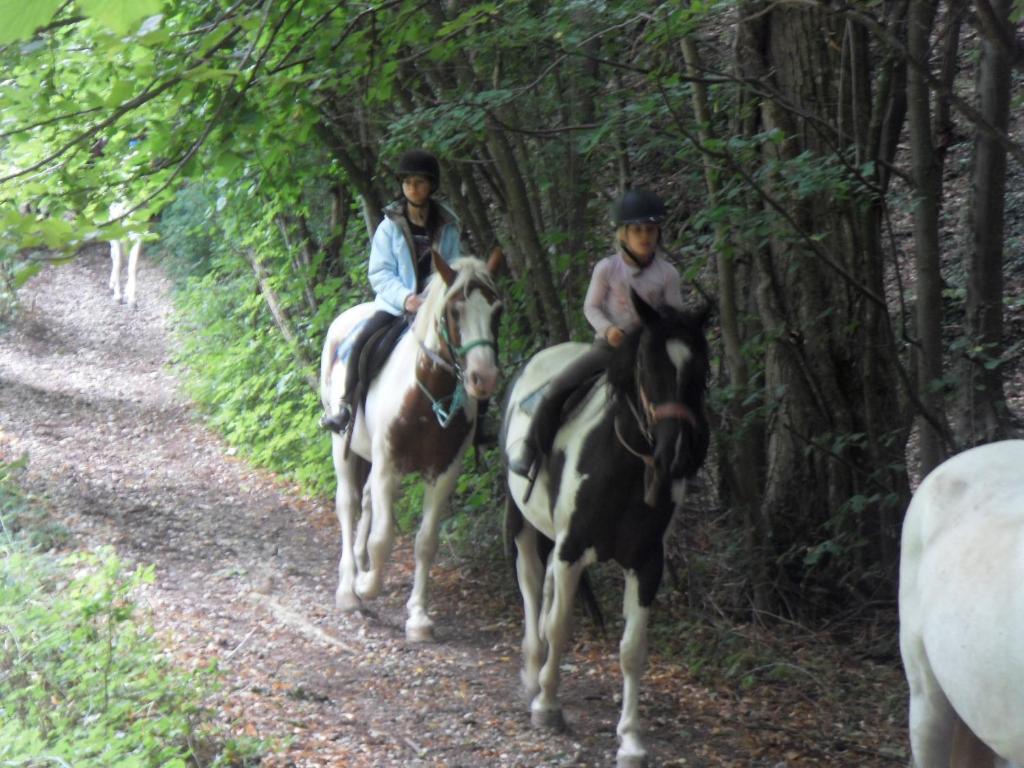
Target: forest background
840	183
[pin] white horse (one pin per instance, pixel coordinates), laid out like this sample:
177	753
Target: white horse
132	243
419	416
961	604
608	491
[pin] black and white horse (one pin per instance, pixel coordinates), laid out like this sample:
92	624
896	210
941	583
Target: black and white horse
607	491
420	416
962	610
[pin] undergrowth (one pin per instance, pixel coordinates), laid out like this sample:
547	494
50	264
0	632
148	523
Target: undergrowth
83	682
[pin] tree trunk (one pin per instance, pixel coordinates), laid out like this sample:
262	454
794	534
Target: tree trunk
833	440
925	173
983	408
741	452
284	324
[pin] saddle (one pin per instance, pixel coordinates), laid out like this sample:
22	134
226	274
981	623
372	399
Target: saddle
375	353
373	356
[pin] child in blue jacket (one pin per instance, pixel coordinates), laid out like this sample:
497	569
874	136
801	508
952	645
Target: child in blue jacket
401	260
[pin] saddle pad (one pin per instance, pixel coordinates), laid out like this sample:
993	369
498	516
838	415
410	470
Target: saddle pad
344	349
530	402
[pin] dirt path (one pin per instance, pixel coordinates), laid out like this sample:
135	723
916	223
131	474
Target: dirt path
246	574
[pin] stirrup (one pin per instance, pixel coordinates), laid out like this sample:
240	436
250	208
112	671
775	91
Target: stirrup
338	422
526	464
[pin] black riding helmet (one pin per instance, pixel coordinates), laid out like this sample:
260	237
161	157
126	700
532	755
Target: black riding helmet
419	162
638	206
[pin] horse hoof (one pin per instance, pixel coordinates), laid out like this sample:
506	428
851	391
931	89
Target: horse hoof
550	719
631	760
631	752
367	586
419	633
347	602
530	692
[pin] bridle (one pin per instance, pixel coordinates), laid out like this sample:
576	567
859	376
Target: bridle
445	408
647	416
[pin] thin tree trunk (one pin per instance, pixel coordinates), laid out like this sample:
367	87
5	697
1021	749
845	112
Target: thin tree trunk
742	453
924	169
340	216
983	411
282	321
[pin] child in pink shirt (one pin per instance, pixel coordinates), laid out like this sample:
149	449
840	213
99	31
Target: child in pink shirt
609	309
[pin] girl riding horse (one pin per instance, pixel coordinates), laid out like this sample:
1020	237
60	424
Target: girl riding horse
635	265
400	263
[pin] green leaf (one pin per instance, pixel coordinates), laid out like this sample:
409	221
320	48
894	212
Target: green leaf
25	272
122	16
19	19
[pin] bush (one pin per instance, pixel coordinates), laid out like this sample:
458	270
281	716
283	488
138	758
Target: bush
82	681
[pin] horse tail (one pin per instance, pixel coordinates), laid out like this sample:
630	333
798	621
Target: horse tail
327	359
590	604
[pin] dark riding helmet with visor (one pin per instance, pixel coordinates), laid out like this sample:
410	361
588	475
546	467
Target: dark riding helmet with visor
419	162
638	206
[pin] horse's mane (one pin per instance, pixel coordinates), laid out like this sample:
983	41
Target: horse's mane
676	323
467	269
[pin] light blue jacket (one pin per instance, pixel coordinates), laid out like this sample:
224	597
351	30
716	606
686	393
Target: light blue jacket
392	270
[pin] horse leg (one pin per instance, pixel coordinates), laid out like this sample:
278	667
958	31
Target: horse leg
545	711
116	257
530	574
932	719
418	626
349	475
632	659
382	531
133	266
363	530
969	751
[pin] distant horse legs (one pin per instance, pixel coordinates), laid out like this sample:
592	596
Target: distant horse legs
117	262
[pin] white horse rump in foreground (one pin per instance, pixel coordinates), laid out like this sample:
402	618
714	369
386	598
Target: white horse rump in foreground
961	606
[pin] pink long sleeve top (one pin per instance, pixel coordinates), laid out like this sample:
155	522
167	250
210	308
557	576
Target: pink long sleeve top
608	302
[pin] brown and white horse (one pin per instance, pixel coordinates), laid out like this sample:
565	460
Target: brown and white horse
608	491
961	604
420	416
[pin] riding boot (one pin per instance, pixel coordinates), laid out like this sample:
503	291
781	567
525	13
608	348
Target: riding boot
527	464
338	422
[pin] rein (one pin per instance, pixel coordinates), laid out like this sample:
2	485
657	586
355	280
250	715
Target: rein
445	408
646	418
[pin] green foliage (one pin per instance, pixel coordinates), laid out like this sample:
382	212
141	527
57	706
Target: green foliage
240	370
188	233
82	681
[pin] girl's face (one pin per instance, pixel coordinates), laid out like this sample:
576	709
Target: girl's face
642	240
417	189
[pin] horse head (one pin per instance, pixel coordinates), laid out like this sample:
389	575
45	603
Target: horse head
460	319
662	373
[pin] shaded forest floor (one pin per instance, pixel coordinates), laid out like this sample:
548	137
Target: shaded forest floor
246	575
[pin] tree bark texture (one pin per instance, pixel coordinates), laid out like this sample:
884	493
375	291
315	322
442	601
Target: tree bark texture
983	415
834	438
927	180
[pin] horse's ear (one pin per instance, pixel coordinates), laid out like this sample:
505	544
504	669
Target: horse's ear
648	314
442	268
496	259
